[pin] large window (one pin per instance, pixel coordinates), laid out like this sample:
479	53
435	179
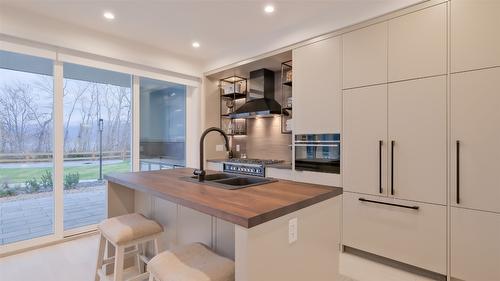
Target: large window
97	135
26	131
63	127
163	125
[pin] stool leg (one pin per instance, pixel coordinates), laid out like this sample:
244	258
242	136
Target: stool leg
140	265
119	259
156	246
100	257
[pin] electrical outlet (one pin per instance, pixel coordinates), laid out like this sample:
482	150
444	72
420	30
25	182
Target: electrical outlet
292	230
219	147
238	147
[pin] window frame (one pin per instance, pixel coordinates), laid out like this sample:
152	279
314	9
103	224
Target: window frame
61	56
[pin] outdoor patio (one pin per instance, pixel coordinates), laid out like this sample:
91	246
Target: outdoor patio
31	218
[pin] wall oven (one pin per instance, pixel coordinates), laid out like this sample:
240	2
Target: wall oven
318	153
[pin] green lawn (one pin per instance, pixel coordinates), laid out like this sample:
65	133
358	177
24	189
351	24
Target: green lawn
87	172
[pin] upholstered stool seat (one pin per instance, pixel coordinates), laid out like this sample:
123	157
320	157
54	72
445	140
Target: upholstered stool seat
192	262
126	228
129	235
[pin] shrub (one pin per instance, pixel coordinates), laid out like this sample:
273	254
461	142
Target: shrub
46	180
6	190
71	180
32	186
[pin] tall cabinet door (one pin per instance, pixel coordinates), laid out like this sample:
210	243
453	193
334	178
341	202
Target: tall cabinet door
316	88
475	40
475	119
417	44
364	142
365	56
417	126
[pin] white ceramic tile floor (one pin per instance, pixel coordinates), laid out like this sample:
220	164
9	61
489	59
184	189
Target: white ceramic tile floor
75	261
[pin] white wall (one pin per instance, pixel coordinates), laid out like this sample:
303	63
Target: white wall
211	117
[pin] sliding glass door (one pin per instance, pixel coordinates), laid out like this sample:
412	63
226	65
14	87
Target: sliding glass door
63	127
26	153
97	139
162	125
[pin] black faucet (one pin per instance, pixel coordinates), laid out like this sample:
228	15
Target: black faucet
201	172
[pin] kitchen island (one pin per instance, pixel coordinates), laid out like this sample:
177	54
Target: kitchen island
250	225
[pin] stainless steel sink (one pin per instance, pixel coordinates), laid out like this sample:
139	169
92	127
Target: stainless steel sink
243	181
230	181
213	177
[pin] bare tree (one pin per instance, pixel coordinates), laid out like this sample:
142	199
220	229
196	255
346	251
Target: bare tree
73	97
15	115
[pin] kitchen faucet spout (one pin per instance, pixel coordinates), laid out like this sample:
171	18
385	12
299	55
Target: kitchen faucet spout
201	172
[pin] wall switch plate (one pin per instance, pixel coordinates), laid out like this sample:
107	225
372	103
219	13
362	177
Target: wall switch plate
219	147
238	147
292	230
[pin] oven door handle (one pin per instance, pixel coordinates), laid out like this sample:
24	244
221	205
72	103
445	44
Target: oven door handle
320	141
316	145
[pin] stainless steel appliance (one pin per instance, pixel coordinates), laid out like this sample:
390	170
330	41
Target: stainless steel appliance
318	153
246	166
260	98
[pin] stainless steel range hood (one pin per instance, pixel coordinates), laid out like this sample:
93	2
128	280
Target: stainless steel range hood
260	97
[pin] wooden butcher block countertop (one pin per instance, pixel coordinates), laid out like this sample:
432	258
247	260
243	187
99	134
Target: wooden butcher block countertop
247	207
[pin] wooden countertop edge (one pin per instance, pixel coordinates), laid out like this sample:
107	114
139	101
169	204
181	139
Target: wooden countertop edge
276	213
179	200
236	219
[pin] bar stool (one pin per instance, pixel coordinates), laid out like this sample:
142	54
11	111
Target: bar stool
125	232
192	262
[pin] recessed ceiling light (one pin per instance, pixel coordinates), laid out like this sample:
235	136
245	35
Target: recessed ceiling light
196	45
109	15
269	9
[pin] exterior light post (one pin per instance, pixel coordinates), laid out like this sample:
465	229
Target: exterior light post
101	128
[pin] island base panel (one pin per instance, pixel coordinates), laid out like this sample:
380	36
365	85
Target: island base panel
264	254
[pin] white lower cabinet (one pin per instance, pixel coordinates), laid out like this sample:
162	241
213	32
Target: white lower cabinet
475	245
415	237
317	178
282	174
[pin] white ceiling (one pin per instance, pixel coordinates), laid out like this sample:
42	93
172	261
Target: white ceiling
228	31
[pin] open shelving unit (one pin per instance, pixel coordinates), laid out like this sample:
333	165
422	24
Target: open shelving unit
286	96
233	94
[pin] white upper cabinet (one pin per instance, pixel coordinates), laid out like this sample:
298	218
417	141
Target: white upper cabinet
475	35
316	88
365	56
475	122
417	44
365	140
417	125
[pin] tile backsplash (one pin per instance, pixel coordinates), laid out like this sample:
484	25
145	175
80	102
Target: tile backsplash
264	140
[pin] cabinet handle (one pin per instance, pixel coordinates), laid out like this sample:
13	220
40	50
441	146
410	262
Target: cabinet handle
380	144
458	172
392	167
389	204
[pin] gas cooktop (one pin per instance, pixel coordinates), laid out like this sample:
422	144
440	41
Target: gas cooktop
248	166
